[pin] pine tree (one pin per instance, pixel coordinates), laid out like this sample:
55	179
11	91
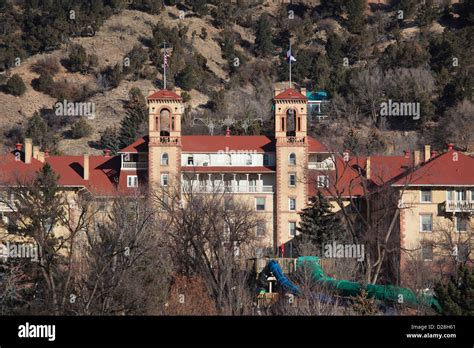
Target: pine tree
457	296
319	224
37	130
187	78
427	13
356	16
15	85
109	140
263	37
134	123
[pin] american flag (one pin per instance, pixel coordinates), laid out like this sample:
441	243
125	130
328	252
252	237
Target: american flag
165	58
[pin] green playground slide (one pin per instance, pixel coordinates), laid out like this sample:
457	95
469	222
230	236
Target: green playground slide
389	293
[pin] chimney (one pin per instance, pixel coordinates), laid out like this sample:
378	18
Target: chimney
427	153
434	154
368	168
450	146
46	153
303	91
106	153
277	91
227	132
416	158
36	150
19	146
150	92
41	156
406	153
28	150
86	167
177	90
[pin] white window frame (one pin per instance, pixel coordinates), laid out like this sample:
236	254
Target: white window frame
162	179
190	159
264	204
290	175
165	158
290	200
421	223
291	223
431	196
290	161
131	183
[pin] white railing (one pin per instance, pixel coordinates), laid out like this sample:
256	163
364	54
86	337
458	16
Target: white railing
321	165
459	206
135	165
203	188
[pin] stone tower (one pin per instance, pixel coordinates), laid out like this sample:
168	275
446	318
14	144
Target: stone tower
291	162
165	109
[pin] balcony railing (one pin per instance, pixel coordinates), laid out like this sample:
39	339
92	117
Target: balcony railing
321	165
169	140
135	165
291	140
203	188
459	206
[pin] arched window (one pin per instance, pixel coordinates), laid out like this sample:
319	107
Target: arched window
292	159
164	159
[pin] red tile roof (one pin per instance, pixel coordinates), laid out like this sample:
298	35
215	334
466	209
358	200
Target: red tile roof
164	94
213	144
227	169
291	94
451	168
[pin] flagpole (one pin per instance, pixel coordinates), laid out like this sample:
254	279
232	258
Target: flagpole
291	53
164	67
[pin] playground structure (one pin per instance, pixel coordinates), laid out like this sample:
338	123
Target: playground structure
388	294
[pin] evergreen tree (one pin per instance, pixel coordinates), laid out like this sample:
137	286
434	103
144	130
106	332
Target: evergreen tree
37	130
109	140
81	129
263	37
356	16
15	85
408	7
319	225
335	50
427	13
457	296
134	124
187	78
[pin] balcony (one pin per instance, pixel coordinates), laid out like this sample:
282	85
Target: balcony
204	188
321	165
292	140
135	165
459	206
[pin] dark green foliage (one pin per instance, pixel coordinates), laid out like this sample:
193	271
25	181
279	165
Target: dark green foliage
79	60
335	49
148	6
134	124
319	224
198	6
427	13
331	7
457	295
187	78
263	37
38	130
81	129
137	58
356	16
109	140
15	85
408	7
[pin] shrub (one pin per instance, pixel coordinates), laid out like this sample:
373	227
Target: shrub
81	129
15	85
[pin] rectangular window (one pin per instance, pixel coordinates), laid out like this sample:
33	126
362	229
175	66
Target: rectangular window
323	181
426	223
427	251
260	230
292	228
472	195
260	203
450	195
164	179
266	160
292	180
426	196
190	160
461	224
461	195
292	204
132	181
